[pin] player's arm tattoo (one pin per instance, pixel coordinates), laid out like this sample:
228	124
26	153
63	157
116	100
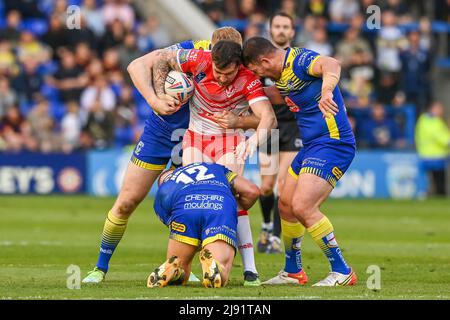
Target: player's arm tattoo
166	60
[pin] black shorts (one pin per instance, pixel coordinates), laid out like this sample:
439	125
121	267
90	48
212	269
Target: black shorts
287	136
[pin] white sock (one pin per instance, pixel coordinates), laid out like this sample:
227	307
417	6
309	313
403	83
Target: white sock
245	242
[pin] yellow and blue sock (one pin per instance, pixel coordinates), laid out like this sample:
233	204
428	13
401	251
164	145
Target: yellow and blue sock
112	234
293	233
323	234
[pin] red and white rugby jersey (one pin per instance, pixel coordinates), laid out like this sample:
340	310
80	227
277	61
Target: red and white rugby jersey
210	98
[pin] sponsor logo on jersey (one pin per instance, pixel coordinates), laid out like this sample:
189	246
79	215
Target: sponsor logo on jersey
292	106
192	56
139	147
337	173
178	226
253	84
199	77
182	56
230	91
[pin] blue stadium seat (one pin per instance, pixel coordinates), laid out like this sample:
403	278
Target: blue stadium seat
123	136
25	107
75	3
116	88
48	68
440	26
36	26
2	9
46	6
50	93
443	63
57	110
238	24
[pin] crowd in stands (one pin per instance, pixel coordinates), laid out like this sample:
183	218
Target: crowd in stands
65	89
386	72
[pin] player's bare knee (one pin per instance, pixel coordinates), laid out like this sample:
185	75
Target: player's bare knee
284	204
266	190
127	207
302	210
267	187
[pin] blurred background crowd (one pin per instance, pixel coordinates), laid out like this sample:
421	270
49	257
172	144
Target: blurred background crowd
67	89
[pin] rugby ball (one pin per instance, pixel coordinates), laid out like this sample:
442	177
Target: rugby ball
179	85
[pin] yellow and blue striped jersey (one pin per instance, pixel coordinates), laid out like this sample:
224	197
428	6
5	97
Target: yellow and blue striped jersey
203	180
302	92
192	44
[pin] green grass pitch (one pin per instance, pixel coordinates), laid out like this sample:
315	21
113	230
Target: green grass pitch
41	236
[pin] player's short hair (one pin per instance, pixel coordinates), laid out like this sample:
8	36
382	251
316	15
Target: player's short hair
282	14
226	33
256	47
164	176
225	53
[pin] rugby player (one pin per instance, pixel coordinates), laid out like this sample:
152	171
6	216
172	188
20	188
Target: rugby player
197	203
222	84
308	83
274	162
152	152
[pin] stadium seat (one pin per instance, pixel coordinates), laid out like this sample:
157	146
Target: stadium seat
50	93
440	27
57	110
443	63
25	107
238	24
46	6
75	3
48	68
36	26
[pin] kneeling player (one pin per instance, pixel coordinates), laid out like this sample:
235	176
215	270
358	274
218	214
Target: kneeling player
197	203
